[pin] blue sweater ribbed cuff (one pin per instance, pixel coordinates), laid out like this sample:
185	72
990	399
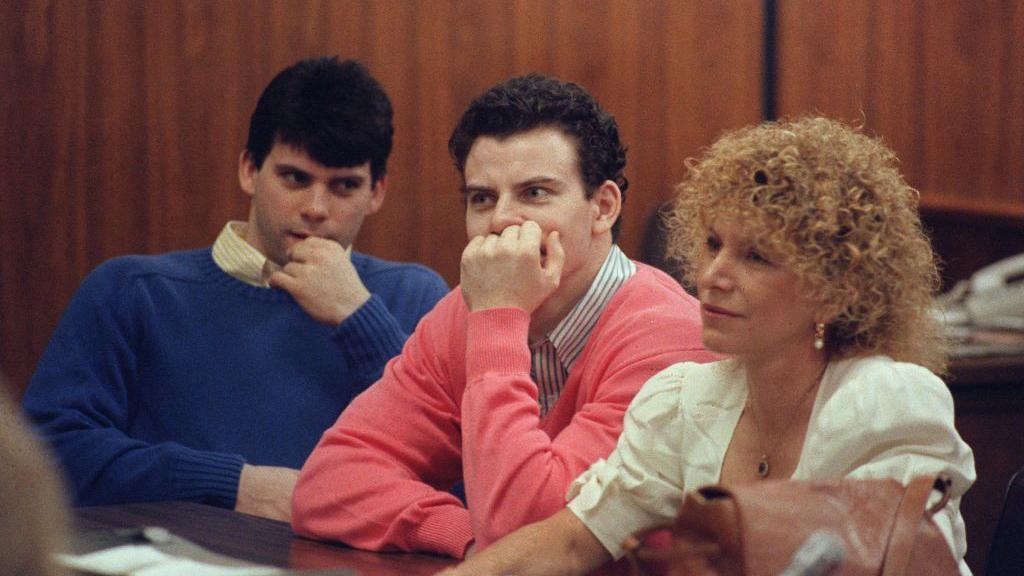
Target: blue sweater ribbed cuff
208	477
369	338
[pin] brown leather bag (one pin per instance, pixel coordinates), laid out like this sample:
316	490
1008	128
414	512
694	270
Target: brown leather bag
877	527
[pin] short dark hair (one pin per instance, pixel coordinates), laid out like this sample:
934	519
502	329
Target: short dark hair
334	111
533	101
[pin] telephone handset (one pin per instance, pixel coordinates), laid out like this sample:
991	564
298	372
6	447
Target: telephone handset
992	298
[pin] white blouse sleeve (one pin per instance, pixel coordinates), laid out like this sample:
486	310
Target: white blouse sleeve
894	420
639	485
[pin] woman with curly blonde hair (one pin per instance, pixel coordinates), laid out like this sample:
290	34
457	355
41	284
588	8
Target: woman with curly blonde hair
829	203
815	279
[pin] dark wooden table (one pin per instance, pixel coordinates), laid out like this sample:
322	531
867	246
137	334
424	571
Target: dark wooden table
253	539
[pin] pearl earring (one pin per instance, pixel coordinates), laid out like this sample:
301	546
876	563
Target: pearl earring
819	336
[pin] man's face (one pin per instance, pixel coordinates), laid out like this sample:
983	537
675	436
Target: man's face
294	196
535	175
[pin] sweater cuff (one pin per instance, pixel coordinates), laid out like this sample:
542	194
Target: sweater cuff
208	477
446	530
369	338
497	340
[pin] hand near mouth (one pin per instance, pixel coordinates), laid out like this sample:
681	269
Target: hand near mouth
321	278
517	269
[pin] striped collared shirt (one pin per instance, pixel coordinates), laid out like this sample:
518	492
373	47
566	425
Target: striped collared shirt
239	259
553	357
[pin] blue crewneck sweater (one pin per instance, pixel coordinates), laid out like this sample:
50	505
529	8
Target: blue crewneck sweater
166	374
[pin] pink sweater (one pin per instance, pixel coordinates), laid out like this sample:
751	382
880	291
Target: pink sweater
459	404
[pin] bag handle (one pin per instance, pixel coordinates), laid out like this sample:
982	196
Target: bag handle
908	520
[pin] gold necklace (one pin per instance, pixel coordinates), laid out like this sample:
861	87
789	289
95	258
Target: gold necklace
763	464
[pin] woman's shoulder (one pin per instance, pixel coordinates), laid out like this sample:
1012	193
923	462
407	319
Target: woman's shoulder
877	392
686	383
883	418
882	378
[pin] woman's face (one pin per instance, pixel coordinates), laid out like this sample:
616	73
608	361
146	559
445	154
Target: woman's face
751	305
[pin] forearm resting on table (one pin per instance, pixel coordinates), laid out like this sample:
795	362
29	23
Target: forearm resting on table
266	491
562	544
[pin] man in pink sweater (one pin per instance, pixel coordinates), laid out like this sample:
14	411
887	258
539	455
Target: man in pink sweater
518	380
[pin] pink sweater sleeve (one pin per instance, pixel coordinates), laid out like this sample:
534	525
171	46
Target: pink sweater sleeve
516	472
373	480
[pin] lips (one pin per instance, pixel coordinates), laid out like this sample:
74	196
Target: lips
717	311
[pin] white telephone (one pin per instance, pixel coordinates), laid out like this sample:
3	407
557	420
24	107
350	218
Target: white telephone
992	298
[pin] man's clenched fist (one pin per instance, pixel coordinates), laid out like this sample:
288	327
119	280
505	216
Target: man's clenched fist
321	278
518	269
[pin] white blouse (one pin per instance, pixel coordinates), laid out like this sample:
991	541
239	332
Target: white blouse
872	418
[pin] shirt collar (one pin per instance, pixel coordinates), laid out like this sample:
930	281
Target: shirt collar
571	334
239	259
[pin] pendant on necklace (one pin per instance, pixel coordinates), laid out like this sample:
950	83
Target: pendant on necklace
762	467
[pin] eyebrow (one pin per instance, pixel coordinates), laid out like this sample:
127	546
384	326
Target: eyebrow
358	178
286	166
538	180
289	167
529	182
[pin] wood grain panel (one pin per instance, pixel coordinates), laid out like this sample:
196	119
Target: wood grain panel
123	120
942	82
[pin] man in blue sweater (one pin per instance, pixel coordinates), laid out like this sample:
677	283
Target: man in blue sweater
210	374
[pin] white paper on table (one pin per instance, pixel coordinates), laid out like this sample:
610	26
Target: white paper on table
145	560
117	560
179	566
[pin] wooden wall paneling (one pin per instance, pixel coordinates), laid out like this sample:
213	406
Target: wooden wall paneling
465	49
893	79
629	94
165	28
650	122
1010	83
531	43
424	209
115	128
939	81
13	70
45	243
217	86
714	78
973	89
822	57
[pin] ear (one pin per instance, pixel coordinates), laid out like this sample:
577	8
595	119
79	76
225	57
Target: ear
247	171
607	204
377	193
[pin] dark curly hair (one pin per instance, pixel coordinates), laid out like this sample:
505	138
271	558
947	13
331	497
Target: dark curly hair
334	111
526	102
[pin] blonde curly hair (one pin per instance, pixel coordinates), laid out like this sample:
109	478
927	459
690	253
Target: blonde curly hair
828	202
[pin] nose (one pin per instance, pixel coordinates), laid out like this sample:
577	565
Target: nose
716	272
314	206
505	214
